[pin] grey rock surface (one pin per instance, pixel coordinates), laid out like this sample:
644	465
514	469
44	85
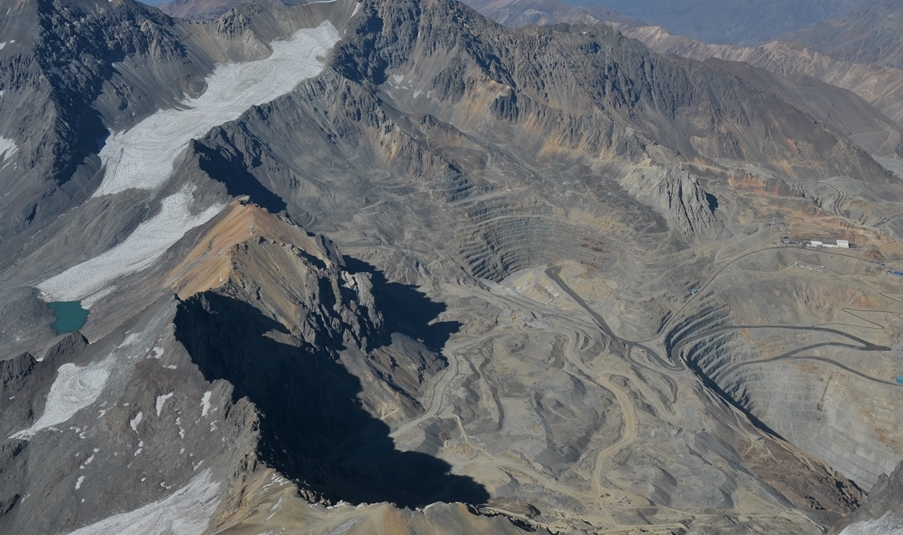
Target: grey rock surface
464	278
732	21
881	512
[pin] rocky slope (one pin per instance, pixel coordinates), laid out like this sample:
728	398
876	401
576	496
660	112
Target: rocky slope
869	36
520	13
274	327
881	513
732	21
877	85
60	100
794	65
823	389
208	10
394	254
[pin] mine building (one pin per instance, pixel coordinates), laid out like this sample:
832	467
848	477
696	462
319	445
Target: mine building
840	244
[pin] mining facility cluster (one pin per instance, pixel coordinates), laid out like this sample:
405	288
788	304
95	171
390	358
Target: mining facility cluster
838	244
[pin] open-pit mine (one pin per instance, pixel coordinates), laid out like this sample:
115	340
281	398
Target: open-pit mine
390	266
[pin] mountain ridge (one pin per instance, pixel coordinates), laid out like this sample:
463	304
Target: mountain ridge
527	269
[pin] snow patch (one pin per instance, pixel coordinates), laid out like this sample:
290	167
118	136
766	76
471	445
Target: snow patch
161	400
7	147
134	422
157	353
74	389
130	340
3	44
142	156
357	7
78	483
185	512
205	403
145	245
889	524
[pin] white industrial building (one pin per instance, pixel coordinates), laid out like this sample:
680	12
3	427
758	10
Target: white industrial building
840	244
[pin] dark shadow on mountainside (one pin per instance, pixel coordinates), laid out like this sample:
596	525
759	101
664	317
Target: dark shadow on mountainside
405	309
312	427
230	169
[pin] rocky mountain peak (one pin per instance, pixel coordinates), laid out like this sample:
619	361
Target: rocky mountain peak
296	278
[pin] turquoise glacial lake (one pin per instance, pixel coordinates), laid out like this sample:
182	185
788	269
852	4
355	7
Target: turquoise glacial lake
70	316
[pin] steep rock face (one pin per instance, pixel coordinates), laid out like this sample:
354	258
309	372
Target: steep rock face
395	103
285	325
511	82
107	428
877	85
684	117
22	375
313	428
841	111
301	282
680	197
870	36
278	356
50	81
822	388
732	21
881	513
208	10
92	70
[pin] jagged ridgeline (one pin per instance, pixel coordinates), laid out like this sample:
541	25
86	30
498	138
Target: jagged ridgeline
313	241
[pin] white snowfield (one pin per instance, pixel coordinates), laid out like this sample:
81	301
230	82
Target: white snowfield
142	157
161	400
74	389
147	243
889	524
186	512
205	403
7	147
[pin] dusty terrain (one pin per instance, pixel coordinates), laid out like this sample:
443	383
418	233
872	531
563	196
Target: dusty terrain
428	274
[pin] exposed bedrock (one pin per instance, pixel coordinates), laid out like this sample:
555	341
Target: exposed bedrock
134	419
881	513
86	70
312	427
814	388
439	150
316	357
